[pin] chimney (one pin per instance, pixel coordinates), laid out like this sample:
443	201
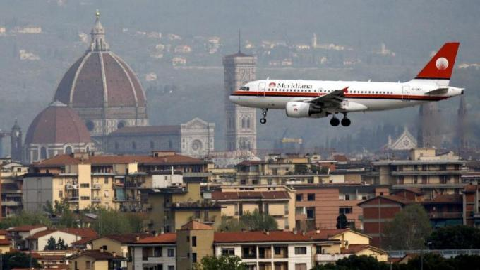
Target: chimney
101	249
317	230
114	254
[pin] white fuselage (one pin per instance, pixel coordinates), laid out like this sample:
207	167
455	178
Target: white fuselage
365	96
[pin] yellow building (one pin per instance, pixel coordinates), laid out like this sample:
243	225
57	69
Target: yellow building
194	241
425	170
278	202
5	243
95	260
116	182
171	208
11	175
335	244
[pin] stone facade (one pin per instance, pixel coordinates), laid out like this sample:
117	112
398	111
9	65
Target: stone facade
241	126
197	138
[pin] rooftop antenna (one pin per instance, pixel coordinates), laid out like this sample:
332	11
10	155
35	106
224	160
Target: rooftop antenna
239	41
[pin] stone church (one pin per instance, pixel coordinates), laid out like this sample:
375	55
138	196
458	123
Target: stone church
100	105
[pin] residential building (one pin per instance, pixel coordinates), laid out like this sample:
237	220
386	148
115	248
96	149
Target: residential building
431	173
471	205
5	243
53	260
19	234
11	177
39	240
194	241
154	252
95	260
318	206
170	208
86	179
276	201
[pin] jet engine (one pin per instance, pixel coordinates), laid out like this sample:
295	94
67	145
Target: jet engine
303	109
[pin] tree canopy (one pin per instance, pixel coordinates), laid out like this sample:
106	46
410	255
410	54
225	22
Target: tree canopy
17	260
254	221
455	237
113	222
408	230
221	263
25	218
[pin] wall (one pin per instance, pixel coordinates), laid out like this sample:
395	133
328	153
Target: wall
138	262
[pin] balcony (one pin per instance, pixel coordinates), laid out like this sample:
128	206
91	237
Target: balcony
11	203
445	215
405	173
72	199
70	186
96	200
96	186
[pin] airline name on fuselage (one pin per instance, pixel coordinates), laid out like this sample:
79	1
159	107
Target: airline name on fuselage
289	85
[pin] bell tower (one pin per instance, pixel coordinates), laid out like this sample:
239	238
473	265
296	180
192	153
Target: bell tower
16	139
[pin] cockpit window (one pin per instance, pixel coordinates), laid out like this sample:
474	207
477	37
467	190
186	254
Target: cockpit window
244	88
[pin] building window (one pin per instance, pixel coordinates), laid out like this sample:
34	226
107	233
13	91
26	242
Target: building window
298	197
277	250
194	241
345	210
68	150
228	252
90	125
88	265
134	145
85	198
311	197
194	257
121	124
60	193
43	153
311	213
347	197
300	250
171	252
105	180
157	252
171	267
85	185
301	266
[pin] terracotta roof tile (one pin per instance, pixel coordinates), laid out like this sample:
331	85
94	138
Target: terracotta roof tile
97	255
325	233
57	124
244	237
167	238
4	242
356	248
126	238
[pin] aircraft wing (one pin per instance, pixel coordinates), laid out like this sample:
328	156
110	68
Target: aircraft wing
331	100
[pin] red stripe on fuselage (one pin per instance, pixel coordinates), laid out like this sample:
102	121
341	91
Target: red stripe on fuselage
347	95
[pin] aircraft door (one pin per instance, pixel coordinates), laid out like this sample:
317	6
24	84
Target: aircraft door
261	89
405	92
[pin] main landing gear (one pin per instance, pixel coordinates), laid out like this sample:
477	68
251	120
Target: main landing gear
263	120
345	121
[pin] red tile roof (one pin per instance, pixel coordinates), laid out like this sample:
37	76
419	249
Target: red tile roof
82	232
356	248
245	237
41	234
4	242
3	232
57	124
167	238
245	195
195	225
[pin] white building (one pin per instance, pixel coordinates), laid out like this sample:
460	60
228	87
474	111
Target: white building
156	252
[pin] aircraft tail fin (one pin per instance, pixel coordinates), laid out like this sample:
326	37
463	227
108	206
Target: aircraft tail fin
439	69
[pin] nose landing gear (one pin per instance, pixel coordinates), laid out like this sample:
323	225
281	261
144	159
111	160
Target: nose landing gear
263	120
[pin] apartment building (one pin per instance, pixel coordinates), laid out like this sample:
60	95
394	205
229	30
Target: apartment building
471	205
115	182
276	201
433	174
154	252
170	208
19	234
318	206
282	170
95	260
11	179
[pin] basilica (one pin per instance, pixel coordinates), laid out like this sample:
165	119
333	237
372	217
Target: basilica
100	105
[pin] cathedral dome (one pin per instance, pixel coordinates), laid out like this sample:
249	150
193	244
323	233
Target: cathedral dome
57	124
100	78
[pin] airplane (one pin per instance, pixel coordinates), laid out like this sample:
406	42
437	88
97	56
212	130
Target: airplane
317	99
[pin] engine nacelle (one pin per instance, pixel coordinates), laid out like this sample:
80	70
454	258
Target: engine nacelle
303	109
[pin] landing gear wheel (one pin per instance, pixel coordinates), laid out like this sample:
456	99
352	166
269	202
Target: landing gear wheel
264	119
346	122
334	121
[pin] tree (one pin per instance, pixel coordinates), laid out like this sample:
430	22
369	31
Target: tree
18	260
342	221
61	244
113	222
25	218
408	230
455	237
51	244
250	222
221	263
